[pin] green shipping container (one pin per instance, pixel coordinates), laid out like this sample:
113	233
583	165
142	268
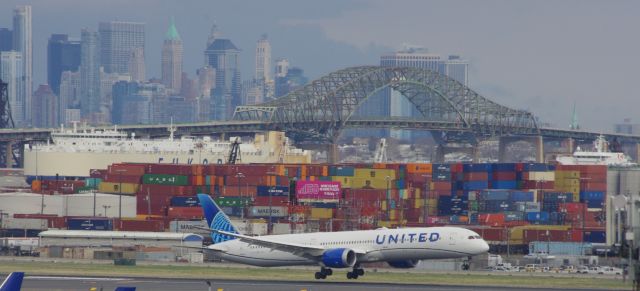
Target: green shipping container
93	182
233	201
174	180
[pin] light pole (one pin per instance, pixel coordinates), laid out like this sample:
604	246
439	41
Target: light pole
94	202
105	209
242	204
388	198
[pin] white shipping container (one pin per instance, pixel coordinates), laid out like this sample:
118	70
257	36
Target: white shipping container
281	228
30	203
257	228
188	226
24	223
83	205
263	211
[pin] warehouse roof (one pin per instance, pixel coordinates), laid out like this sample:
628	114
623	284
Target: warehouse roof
120	235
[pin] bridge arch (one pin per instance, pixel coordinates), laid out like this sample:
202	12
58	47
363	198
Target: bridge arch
322	108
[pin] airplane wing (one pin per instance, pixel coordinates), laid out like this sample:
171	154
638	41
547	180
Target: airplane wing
296	249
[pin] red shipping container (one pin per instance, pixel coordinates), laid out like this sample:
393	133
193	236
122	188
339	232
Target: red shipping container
492	219
441	186
140	225
456	168
572	207
184	213
418	178
490	234
548	185
593	186
153	204
116	178
170	190
476	176
275	201
504	176
127	169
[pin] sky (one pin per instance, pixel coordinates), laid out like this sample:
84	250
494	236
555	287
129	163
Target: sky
537	55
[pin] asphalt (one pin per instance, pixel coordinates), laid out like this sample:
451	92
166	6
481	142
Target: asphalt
54	283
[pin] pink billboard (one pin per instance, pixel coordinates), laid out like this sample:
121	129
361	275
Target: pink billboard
318	190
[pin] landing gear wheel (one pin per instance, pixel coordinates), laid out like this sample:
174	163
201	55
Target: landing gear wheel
320	276
359	272
328	272
465	267
352	275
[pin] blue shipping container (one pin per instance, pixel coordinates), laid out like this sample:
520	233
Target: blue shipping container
185	201
441	168
495	195
521	196
274	191
595	236
564	197
594	203
538	217
495	206
592	195
560	248
535	167
513	216
504	185
476	167
89	224
475	185
504	167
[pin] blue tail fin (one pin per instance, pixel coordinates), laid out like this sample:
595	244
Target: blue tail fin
13	282
216	219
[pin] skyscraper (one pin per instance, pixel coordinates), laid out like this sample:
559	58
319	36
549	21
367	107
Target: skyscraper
11	66
456	68
172	59
117	42
69	95
263	59
22	42
62	55
46	105
89	74
136	65
223	56
6	39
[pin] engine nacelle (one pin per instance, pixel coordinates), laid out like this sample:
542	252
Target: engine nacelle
408	264
339	258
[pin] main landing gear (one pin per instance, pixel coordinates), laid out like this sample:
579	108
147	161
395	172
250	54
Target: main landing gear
324	273
357	272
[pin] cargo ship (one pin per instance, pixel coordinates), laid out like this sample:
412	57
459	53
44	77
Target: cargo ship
73	152
601	156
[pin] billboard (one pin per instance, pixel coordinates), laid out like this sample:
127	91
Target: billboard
318	190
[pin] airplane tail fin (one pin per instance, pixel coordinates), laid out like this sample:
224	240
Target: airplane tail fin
216	219
13	282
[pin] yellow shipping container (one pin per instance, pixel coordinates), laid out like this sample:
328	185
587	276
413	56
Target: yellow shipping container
325	171
419	203
375	173
542	176
567	175
321	213
345	181
372	183
303	170
419	168
567	182
127	188
383	205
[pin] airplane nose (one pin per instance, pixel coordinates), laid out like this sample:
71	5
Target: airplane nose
485	247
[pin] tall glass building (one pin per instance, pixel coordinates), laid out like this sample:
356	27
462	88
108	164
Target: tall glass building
62	55
117	42
23	43
223	56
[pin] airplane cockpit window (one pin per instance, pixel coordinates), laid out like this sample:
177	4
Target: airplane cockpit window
472	237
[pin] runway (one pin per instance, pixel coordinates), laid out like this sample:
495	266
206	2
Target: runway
51	283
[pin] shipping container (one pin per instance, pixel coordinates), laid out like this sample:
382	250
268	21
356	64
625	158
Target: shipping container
266	191
504	185
118	188
341	171
185	201
163	179
263	211
89	224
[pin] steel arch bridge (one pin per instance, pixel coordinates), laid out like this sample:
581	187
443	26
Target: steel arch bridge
321	109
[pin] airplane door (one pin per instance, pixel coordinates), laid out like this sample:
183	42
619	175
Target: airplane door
452	238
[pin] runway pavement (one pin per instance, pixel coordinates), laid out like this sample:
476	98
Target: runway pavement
53	283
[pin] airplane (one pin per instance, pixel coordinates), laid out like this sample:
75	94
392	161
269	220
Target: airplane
400	248
13	282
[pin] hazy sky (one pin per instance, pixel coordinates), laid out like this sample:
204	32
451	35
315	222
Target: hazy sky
535	55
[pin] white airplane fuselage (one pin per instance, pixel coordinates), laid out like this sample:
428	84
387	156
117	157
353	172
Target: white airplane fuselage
389	245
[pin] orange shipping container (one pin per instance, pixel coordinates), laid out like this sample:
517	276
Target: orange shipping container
418	168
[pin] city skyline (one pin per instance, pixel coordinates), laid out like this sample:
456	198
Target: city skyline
544	73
